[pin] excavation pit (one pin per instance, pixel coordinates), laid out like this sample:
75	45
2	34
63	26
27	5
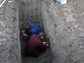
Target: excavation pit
29	13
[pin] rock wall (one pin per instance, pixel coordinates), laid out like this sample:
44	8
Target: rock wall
9	33
64	27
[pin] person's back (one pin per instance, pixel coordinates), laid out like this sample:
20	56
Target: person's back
35	46
31	29
35	29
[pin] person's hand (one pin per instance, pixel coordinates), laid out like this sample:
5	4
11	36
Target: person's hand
44	42
47	45
23	31
24	34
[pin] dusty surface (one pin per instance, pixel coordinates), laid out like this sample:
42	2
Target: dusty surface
64	25
9	33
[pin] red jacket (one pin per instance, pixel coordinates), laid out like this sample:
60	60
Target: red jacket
35	46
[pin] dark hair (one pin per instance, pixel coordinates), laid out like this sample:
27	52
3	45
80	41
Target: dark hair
27	27
41	34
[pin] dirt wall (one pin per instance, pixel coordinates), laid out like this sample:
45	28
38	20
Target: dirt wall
9	33
64	27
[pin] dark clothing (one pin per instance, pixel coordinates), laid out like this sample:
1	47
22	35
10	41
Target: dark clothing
27	32
35	46
35	29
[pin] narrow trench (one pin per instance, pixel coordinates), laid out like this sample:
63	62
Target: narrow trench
29	13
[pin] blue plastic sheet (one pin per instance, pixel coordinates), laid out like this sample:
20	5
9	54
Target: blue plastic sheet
62	1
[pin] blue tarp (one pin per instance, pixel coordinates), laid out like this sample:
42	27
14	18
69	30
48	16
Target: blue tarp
62	1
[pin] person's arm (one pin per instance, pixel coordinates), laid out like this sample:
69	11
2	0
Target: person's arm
32	33
28	36
42	46
23	31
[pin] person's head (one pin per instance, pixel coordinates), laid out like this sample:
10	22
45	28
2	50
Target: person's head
27	28
41	34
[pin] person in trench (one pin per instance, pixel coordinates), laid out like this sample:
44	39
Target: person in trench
31	29
36	45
